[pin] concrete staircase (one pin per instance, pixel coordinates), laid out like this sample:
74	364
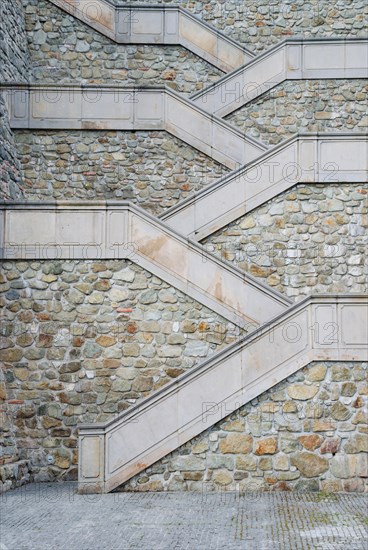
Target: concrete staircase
281	337
112	453
115	230
147	24
250	75
115	108
305	158
292	59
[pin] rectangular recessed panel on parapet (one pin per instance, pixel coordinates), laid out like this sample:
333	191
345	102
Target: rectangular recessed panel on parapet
112	108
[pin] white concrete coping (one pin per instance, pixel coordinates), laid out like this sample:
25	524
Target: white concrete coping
304	158
50	107
158	24
116	230
320	328
291	59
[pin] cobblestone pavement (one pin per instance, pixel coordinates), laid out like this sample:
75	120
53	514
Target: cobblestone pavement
54	516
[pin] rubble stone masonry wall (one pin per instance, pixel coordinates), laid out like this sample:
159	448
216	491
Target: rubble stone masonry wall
155	169
64	50
305	106
310	239
308	433
82	341
152	169
14	66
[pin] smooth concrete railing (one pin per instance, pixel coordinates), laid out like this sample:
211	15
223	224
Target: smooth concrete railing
54	107
113	230
305	158
292	59
148	24
321	328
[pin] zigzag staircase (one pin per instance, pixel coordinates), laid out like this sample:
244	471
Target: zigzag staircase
282	337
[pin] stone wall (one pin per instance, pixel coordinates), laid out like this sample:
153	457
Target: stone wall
11	185
8	449
259	24
83	340
13	472
156	169
305	106
307	433
153	169
14	66
64	50
14	56
310	239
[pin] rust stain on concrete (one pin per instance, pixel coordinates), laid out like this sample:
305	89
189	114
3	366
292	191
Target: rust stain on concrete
151	247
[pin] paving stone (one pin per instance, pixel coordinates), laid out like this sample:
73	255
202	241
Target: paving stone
234	520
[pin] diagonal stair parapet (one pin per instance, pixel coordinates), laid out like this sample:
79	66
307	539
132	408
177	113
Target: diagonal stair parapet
49	107
304	158
120	230
158	24
320	328
291	59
